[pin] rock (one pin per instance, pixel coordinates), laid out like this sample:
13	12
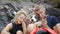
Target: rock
3	20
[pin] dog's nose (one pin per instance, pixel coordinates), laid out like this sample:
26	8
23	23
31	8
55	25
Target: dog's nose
32	20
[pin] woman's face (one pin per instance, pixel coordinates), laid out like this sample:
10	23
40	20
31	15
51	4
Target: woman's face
41	13
21	18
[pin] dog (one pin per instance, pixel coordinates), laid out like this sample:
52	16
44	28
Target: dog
35	19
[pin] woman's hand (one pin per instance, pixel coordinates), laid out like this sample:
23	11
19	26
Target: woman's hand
24	27
44	22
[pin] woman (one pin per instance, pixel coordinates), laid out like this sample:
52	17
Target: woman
49	22
17	26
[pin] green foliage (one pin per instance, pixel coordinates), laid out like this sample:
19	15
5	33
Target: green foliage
55	3
33	0
58	1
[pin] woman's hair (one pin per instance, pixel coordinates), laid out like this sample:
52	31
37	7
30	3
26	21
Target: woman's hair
38	7
18	14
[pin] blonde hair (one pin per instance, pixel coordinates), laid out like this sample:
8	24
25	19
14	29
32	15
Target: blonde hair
37	7
18	14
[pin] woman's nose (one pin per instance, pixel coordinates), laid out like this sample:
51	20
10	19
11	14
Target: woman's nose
22	20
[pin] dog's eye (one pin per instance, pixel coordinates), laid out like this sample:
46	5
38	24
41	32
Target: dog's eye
37	17
31	17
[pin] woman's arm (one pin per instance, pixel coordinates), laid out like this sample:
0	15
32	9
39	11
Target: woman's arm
57	28
44	23
24	28
6	29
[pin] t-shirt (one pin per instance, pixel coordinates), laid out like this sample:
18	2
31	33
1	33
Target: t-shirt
52	21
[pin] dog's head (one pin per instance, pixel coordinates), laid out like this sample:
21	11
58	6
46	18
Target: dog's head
34	18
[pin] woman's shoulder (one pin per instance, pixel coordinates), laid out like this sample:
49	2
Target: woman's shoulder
51	16
9	25
54	18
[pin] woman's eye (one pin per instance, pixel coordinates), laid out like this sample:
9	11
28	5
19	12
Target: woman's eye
22	18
